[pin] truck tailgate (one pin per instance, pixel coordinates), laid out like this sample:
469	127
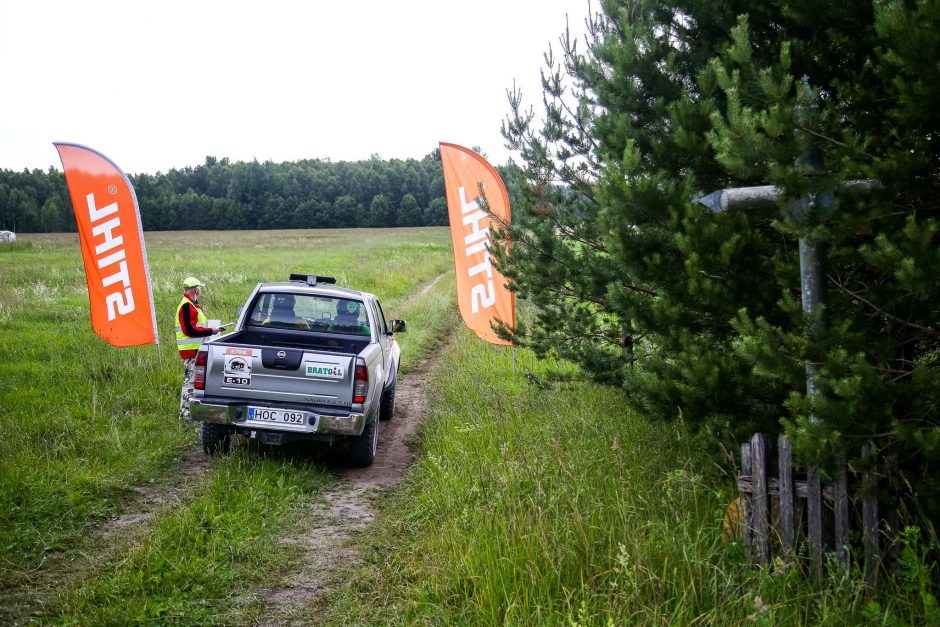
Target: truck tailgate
280	374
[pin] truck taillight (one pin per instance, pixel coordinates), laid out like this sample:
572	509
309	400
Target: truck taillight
361	384
199	378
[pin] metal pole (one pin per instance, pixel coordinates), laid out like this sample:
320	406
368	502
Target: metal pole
812	279
812	251
813	296
812	265
768	196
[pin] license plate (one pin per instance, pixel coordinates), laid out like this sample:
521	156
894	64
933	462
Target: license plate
282	416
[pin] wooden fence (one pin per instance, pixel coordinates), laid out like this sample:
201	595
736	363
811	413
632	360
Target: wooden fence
793	514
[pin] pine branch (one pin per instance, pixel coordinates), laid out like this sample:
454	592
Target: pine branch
566	292
879	311
832	140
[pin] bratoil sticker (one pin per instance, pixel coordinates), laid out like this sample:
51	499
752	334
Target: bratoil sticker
324	371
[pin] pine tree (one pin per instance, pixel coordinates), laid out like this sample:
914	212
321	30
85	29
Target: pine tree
697	313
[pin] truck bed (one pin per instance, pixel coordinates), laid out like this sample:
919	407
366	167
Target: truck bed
309	340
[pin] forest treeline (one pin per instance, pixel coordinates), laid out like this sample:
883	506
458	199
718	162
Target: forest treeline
220	194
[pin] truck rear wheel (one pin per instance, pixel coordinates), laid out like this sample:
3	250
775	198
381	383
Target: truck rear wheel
214	439
362	447
387	408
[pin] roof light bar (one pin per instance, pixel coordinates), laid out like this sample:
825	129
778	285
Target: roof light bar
312	279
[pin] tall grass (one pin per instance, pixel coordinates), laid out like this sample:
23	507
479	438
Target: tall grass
547	505
81	422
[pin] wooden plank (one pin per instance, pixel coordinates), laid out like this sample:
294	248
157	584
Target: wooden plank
761	535
800	489
814	521
785	470
799	522
870	518
746	534
745	485
840	506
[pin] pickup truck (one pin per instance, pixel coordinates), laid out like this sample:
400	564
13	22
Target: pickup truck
307	360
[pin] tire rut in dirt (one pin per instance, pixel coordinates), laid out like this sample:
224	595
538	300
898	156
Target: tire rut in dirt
326	548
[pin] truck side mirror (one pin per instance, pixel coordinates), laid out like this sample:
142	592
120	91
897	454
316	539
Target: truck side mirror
397	326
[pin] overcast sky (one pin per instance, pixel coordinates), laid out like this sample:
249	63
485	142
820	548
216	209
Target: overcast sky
159	85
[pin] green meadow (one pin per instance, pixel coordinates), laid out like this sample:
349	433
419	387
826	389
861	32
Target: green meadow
537	503
83	424
536	498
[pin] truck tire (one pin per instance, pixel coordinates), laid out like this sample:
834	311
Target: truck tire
214	439
387	408
362	447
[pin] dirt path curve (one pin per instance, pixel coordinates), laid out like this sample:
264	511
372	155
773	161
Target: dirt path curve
427	288
326	548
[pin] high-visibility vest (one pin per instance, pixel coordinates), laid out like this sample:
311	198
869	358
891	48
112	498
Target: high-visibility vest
183	341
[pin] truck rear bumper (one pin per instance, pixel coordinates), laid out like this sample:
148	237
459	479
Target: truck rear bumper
315	422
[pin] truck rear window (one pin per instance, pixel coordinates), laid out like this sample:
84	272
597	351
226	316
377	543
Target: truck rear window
307	312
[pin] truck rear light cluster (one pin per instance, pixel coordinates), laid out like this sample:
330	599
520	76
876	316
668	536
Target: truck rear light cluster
199	378
361	384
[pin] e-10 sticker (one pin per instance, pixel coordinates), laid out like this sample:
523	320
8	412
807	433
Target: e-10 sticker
237	370
237	364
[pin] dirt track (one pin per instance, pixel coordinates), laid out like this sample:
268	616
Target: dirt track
327	548
64	570
150	499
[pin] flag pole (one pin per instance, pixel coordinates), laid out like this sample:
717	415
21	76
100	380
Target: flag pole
514	361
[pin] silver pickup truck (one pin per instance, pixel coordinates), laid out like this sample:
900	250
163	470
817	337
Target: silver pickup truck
306	361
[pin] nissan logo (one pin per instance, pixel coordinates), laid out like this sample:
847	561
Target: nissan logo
281	354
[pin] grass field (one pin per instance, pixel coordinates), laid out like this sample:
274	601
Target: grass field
83	423
529	503
557	505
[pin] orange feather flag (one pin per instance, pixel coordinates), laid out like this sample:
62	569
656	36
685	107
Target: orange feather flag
481	289
112	240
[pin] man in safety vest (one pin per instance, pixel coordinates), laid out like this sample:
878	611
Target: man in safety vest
191	327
